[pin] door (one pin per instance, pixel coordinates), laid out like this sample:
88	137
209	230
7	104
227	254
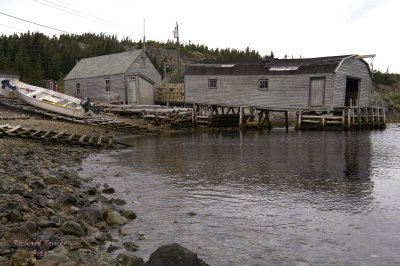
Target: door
132	90
352	90
317	91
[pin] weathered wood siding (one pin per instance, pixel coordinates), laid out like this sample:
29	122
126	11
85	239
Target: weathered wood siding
95	88
352	68
147	69
146	91
284	91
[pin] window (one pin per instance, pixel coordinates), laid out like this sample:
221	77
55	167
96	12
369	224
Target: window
263	84
212	83
108	87
78	88
284	68
132	78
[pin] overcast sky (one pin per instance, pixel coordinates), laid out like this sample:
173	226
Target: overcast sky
306	28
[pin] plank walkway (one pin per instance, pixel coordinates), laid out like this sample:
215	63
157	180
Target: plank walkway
53	136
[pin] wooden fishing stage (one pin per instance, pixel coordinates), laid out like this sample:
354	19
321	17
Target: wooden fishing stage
345	118
206	115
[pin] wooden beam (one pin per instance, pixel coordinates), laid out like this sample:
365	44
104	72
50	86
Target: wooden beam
82	138
45	134
13	129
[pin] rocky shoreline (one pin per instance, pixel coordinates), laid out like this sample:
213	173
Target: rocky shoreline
50	216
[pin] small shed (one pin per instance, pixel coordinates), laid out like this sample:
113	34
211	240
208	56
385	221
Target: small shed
51	85
127	77
322	83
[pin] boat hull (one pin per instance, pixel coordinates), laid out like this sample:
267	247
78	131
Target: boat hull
50	100
74	112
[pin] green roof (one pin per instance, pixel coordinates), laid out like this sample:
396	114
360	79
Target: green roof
105	65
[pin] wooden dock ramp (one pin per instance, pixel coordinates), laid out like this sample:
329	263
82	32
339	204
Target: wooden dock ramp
58	137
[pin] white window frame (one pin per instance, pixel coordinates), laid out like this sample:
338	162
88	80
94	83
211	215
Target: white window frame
78	88
108	85
212	83
263	84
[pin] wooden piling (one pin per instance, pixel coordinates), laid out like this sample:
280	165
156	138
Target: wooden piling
299	120
287	120
241	117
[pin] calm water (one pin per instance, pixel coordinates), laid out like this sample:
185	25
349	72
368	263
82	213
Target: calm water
262	198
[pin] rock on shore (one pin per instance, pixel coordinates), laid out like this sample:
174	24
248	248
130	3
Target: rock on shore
49	216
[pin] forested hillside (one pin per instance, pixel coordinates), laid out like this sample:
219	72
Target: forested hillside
37	57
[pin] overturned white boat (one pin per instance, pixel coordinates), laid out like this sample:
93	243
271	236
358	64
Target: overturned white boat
50	100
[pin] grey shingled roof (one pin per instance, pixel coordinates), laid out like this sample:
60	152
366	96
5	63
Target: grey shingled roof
262	67
105	65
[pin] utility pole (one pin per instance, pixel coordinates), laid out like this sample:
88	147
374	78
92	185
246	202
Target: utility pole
176	35
144	34
143	57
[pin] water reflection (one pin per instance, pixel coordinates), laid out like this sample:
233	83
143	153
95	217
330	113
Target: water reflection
336	162
262	198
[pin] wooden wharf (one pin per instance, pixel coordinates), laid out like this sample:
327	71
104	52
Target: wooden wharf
347	118
58	137
235	116
210	115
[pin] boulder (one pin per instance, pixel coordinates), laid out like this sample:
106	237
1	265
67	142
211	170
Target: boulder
108	190
72	242
52	259
30	226
72	228
61	250
14	216
39	200
23	257
130	246
37	184
44	223
17	233
100	236
114	218
174	254
91	215
129	259
129	214
66	199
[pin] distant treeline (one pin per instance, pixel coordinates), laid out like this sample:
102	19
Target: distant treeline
37	57
385	78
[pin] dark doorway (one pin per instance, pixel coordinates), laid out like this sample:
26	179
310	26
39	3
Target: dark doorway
352	88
